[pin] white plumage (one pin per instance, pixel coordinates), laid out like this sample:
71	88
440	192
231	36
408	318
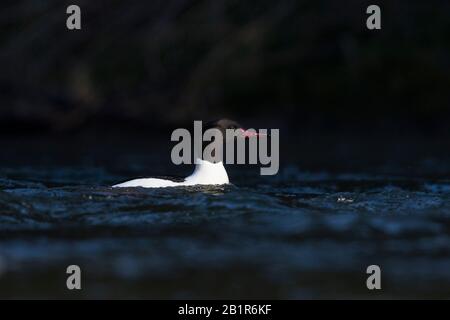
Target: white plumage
205	173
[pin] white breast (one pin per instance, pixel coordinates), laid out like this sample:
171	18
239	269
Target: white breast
208	173
205	173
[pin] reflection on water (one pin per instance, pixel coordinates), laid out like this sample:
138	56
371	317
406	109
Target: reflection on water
295	235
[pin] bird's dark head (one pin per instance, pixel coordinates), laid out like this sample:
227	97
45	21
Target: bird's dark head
222	125
230	131
226	124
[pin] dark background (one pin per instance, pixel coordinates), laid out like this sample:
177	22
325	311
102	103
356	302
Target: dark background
147	65
365	149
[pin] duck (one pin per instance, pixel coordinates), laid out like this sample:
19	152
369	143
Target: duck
206	171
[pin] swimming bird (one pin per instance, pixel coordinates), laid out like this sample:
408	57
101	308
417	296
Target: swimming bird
205	173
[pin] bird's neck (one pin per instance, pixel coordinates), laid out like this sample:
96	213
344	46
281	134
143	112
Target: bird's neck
206	172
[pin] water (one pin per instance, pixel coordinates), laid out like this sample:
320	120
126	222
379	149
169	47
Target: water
300	234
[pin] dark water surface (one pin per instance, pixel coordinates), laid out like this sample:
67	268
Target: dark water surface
305	233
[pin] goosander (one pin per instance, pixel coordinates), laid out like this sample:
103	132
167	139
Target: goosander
205	172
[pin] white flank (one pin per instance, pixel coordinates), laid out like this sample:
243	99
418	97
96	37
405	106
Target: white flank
205	173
